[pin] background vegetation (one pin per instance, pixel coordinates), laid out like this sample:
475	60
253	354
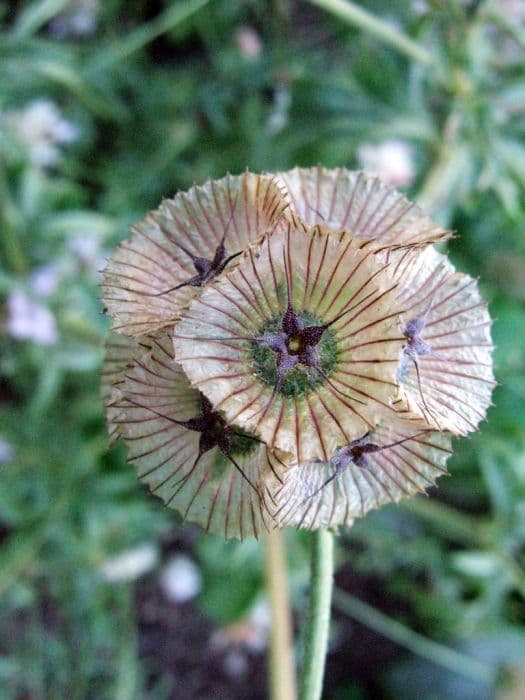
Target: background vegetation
106	107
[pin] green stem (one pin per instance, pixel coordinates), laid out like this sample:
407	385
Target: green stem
36	15
353	14
169	19
449	522
280	661
318	622
416	643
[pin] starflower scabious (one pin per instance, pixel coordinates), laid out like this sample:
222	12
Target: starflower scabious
291	349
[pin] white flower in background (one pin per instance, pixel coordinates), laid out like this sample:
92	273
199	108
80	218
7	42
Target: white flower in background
6	451
512	10
180	580
279	115
237	641
29	320
391	160
40	127
87	249
44	280
419	7
260	618
248	42
130	564
80	18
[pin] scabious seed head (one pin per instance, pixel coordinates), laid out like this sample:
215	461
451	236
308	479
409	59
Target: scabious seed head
395	460
312	401
178	248
210	472
445	370
291	350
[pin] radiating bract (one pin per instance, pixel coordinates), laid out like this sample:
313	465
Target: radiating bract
228	341
343	200
119	353
396	460
209	472
445	371
176	249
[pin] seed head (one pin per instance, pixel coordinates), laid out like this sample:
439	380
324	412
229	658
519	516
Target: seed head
291	350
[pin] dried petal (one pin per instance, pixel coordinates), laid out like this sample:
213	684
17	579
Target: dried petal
181	245
348	200
396	460
205	486
447	328
119	353
236	341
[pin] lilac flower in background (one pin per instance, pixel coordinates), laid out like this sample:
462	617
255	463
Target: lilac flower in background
391	161
80	18
29	320
6	451
419	7
180	580
513	10
130	564
44	280
40	127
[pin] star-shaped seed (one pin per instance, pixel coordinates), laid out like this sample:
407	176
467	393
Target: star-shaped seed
214	432
416	347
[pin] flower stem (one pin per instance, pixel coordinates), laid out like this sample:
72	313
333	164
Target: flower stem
435	652
318	622
281	661
353	14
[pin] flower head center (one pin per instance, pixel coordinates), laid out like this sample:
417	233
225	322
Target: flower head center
295	345
294	352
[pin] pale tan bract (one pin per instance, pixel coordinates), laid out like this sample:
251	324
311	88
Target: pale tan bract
208	491
456	380
140	280
346	200
310	496
119	353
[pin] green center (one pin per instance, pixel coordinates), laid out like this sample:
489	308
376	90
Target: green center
240	446
301	379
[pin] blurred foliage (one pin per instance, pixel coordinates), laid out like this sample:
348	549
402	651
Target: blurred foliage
161	95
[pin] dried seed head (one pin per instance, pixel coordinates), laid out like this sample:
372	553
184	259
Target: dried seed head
299	343
395	460
304	353
182	245
445	371
211	473
119	353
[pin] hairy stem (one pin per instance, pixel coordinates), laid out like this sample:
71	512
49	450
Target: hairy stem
318	622
281	661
